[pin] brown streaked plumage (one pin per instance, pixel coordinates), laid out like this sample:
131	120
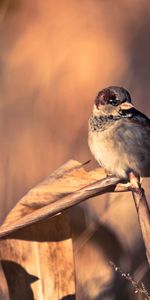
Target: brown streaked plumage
119	135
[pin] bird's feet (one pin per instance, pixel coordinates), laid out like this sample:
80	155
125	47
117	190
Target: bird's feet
135	181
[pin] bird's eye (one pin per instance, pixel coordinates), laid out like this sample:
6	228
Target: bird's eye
114	102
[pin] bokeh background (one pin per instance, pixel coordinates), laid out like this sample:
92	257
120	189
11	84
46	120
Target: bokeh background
54	58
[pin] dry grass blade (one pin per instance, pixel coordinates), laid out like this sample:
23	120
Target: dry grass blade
69	178
91	190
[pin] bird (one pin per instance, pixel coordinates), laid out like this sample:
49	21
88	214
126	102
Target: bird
119	135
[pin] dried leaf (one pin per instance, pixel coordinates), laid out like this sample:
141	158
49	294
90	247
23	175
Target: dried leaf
34	205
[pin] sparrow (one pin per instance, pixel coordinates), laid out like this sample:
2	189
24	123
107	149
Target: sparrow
119	134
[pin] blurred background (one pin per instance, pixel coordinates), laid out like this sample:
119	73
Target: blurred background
54	58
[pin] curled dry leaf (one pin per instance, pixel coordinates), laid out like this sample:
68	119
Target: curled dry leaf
36	204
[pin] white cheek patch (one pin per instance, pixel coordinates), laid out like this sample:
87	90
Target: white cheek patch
96	111
105	110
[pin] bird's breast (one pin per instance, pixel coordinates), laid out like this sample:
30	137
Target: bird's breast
121	147
104	148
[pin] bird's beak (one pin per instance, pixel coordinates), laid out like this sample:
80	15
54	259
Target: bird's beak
126	106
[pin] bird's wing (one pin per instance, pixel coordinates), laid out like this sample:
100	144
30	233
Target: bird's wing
137	117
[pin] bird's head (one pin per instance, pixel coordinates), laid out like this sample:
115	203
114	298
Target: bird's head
113	101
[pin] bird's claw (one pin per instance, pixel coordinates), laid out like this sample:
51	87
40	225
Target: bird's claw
135	180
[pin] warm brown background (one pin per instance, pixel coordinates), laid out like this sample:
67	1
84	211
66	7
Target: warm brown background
54	57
